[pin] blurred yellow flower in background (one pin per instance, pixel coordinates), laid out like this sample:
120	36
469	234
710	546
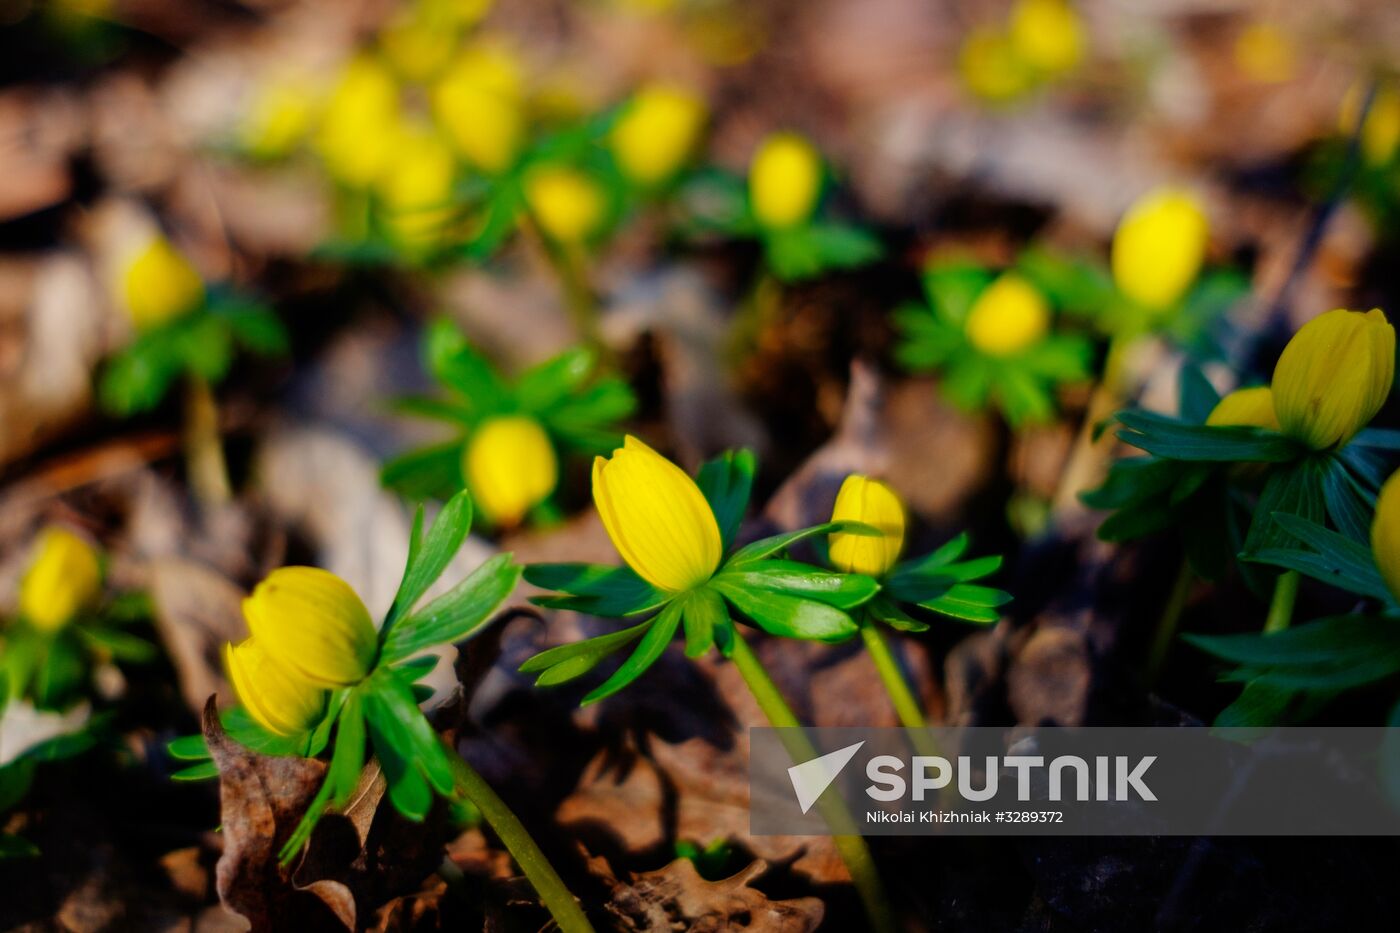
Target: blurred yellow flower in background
1385	534
1159	247
657	518
415	192
279	118
480	105
1333	376
1009	316
1380	137
310	623
568	204
656	132
785	179
873	503
64	577
159	285
510	467
991	68
1047	35
1251	407
358	127
1265	53
278	699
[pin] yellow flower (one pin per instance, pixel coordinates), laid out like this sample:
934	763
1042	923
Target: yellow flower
656	132
657	517
785	178
1333	376
311	624
1265	53
1252	407
510	467
1380	137
1009	316
419	42
480	105
278	699
870	501
568	205
63	579
990	67
1047	35
1159	247
279	118
159	285
357	135
415	191
1385	534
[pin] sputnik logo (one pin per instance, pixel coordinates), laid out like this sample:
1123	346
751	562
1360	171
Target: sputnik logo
811	778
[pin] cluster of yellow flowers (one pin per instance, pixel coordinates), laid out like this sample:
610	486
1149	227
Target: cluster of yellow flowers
1041	41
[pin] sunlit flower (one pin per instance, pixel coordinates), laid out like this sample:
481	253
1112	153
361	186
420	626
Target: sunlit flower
785	179
657	132
1047	35
656	516
510	467
419	40
1251	407
312	624
480	105
1159	247
873	503
1380	137
159	285
990	67
279	117
1385	534
279	700
568	204
63	579
415	191
1333	376
1008	316
357	135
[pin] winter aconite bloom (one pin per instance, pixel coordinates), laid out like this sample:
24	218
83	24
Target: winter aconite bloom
1333	376
415	191
1265	53
1380	137
312	624
64	578
657	518
870	502
276	697
159	285
1252	407
1047	35
656	133
278	118
1385	534
358	131
480	105
1159	247
1009	316
568	205
785	179
510	467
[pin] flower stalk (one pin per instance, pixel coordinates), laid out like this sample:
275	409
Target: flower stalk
204	448
1281	606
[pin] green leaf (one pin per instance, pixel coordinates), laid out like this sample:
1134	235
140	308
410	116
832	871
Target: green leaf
1168	437
1197	397
348	758
952	288
203	771
120	645
454	363
546	385
420	406
428	557
587	421
204	345
969	602
887	611
703	613
595	589
788	616
457	613
427	473
1335	559
1260	704
842	590
565	662
1348	504
1291	490
15	780
1327	641
396	721
651	647
767	547
16	847
727	482
841	246
137	378
187	748
254	326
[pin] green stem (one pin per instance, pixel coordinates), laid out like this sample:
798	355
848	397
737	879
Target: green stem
1166	626
568	264
852	848
1281	607
906	706
556	897
205	467
754	314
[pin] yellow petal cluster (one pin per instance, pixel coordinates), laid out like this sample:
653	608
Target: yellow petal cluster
657	132
568	204
279	117
1159	247
1047	35
359	127
872	502
785	179
510	467
415	191
310	623
1333	376
1380	137
159	285
480	104
1385	534
657	518
990	68
64	578
1251	407
279	700
1009	316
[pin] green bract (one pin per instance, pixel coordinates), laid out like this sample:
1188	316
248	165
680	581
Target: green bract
941	583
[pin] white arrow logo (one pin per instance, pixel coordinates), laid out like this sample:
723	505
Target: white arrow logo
811	778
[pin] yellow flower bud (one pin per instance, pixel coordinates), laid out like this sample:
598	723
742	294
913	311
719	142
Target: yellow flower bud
159	285
1385	534
358	128
1252	407
1333	376
278	699
657	518
1159	247
990	67
419	42
311	624
656	132
870	501
279	118
415	192
785	179
510	467
1264	53
64	578
479	103
1009	316
568	205
1047	35
1380	137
